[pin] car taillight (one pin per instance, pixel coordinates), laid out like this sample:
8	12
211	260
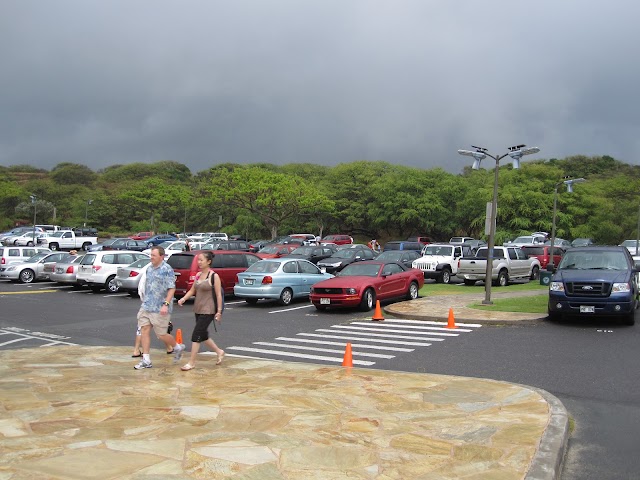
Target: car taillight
267	279
3	260
133	274
70	269
95	268
237	281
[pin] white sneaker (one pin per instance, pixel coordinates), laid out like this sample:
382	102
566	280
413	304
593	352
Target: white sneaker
142	365
178	350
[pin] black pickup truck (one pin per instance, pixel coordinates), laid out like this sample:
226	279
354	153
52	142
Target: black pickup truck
595	281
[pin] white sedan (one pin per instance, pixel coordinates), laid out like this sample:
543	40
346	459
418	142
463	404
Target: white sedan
169	248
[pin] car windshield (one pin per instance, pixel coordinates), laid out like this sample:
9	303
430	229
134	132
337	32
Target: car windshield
523	240
390	256
629	243
140	263
76	259
56	234
111	241
594	260
437	250
271	249
36	258
263	266
303	251
346	253
165	244
361	269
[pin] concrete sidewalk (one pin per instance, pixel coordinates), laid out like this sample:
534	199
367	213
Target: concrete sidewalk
85	413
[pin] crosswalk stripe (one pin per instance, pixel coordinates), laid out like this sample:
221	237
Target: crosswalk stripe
328	350
371	329
365	363
379	335
431	322
343	344
290	309
393	342
417	327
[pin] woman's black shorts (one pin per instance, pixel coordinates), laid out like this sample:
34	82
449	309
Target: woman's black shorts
200	332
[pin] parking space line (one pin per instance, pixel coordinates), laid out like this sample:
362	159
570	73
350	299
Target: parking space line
369	329
23	292
290	309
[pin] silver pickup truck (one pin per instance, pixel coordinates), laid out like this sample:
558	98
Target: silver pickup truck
509	263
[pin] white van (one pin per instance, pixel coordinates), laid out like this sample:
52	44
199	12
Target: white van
50	228
18	254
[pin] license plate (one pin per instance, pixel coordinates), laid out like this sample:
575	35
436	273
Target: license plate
248	281
325	301
587	309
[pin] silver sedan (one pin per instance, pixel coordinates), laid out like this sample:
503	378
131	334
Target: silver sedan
65	272
128	278
31	269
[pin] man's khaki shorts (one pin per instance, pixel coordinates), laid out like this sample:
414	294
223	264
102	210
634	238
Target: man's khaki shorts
160	323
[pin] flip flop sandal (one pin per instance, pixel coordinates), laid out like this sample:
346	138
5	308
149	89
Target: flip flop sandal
170	353
186	367
137	356
220	358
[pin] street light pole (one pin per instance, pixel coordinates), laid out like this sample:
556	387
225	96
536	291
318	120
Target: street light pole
33	200
568	181
516	153
86	211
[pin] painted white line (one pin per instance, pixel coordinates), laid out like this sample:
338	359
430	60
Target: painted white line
234	303
417	327
55	287
392	342
328	350
344	344
53	344
81	291
428	339
370	329
430	322
291	309
15	340
116	295
245	356
296	355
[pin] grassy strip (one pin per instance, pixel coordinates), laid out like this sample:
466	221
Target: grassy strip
528	304
430	289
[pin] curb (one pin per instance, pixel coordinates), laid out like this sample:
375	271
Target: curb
549	458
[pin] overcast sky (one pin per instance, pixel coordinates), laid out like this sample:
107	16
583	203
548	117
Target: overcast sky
103	82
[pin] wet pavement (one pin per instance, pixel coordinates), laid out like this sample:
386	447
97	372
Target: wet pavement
85	413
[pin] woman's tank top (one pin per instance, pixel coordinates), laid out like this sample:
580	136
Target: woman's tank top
204	296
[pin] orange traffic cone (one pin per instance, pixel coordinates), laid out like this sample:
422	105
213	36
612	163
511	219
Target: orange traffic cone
451	322
377	315
348	358
179	335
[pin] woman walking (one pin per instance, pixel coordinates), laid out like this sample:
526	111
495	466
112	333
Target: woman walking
207	307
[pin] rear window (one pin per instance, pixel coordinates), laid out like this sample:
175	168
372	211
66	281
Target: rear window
392	246
533	250
182	262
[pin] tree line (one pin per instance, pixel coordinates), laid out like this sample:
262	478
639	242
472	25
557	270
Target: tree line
367	199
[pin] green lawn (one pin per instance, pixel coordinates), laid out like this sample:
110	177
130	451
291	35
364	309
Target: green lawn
528	304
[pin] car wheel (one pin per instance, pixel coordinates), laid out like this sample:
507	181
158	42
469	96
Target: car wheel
412	293
368	300
110	285
149	244
286	296
502	280
53	247
29	244
85	246
469	283
321	308
535	273
251	301
15	243
27	276
446	276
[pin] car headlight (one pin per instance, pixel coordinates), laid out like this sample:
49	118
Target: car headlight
334	264
621	288
351	291
556	287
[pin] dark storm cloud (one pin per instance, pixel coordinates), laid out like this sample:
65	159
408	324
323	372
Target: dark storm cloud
408	82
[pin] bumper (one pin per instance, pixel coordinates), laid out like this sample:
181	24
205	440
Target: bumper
12	275
128	284
613	305
344	301
257	292
69	278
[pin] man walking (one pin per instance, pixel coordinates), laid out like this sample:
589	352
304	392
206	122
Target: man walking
157	306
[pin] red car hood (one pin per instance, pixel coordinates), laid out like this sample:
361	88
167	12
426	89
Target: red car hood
345	282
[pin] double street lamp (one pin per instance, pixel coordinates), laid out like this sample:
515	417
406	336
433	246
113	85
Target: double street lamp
516	153
568	181
86	211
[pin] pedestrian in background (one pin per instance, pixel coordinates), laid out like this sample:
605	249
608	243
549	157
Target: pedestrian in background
187	245
155	310
207	307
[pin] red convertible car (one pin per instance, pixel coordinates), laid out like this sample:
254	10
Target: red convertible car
361	284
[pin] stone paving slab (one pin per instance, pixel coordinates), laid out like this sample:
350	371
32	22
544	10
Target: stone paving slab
85	413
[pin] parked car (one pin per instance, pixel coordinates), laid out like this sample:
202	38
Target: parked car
474	245
307	238
239	245
362	283
632	245
128	278
19	254
124	244
142	236
424	240
226	263
526	240
405	257
25	239
98	270
313	253
559	242
65	271
102	245
158	239
543	254
282	279
460	240
31	269
344	257
17	231
338	239
50	265
171	247
257	245
277	250
582	242
595	281
403	245
439	261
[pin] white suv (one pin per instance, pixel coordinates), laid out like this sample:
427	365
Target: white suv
98	269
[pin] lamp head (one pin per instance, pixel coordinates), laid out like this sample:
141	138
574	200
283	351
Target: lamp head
478	156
